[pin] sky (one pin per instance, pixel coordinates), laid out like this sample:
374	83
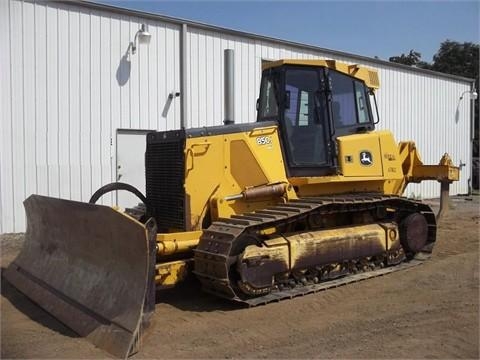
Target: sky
367	28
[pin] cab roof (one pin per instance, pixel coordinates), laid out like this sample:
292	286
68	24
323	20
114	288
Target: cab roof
369	76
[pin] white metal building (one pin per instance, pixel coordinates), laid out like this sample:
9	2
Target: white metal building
68	84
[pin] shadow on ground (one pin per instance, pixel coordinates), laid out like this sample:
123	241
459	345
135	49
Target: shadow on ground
189	296
30	309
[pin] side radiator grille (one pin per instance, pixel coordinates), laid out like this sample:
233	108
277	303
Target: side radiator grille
165	167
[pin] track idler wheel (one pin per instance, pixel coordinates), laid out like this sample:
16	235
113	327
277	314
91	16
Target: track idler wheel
413	233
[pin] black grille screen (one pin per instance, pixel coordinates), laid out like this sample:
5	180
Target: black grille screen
164	167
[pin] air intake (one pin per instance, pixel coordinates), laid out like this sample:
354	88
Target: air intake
373	77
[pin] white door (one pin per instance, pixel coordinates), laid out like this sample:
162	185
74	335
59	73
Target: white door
131	145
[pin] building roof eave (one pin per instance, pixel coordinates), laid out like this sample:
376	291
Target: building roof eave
199	25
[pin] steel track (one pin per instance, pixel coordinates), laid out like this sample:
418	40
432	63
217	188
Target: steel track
225	239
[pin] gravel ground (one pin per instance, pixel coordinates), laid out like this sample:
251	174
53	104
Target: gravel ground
429	311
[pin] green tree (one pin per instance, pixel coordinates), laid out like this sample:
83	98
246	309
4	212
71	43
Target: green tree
411	59
457	59
451	58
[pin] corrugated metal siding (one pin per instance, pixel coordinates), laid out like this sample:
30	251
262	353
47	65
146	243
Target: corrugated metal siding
67	84
6	161
205	73
428	110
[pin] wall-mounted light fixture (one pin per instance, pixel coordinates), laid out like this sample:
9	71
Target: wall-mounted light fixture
473	94
143	38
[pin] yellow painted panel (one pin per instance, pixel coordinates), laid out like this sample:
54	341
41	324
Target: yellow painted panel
169	274
385	176
245	169
360	155
203	171
223	165
265	146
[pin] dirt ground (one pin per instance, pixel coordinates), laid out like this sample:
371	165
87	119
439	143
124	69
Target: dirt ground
428	311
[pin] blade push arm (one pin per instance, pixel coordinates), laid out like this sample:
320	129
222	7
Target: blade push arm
415	171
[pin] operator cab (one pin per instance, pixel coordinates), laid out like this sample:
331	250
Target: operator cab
313	105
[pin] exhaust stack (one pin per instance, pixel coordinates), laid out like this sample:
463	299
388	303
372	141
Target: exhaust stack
229	86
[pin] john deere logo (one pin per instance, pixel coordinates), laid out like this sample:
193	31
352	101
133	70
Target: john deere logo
366	158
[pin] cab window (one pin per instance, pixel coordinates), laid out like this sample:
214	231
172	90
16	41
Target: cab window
268	106
361	101
349	101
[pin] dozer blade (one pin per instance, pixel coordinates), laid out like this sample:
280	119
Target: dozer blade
91	267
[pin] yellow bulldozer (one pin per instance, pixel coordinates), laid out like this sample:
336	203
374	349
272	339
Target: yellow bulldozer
307	197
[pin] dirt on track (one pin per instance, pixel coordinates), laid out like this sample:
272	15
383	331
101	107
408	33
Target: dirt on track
428	311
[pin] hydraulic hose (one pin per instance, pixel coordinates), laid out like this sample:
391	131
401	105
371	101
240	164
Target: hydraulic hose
120	186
